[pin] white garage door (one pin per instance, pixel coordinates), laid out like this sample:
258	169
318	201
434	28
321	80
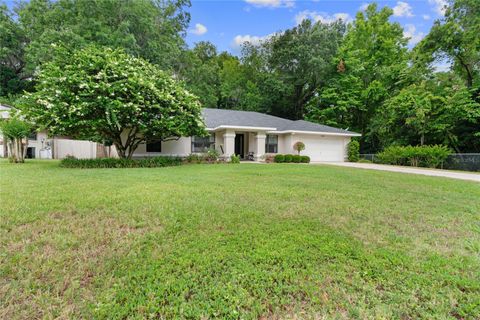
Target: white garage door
323	148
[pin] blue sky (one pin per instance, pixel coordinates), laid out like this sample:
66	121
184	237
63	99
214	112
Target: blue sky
228	23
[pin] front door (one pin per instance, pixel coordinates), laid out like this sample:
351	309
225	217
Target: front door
239	145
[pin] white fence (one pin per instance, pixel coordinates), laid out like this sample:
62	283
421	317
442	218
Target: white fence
80	149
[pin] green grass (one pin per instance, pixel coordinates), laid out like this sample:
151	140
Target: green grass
236	241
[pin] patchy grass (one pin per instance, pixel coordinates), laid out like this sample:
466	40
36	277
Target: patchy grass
236	241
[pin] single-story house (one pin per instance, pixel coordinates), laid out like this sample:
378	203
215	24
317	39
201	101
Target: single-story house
230	132
241	132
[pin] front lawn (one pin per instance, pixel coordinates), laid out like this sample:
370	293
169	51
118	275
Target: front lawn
236	241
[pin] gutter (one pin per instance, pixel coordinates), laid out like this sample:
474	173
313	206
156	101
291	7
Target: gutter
353	134
242	128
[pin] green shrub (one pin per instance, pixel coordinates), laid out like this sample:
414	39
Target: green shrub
194	158
212	155
154	162
234	158
435	156
353	151
279	158
288	158
417	156
395	155
296	158
305	159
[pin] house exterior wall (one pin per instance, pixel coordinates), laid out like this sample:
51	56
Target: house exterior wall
318	147
285	144
219	144
181	147
41	142
251	142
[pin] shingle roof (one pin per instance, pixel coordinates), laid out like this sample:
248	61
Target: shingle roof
222	117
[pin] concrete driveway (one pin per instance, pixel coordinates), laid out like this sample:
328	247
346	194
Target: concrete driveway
427	172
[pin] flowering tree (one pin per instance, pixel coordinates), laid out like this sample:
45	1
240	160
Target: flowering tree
299	146
106	95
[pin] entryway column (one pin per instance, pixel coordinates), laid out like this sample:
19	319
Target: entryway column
229	143
259	145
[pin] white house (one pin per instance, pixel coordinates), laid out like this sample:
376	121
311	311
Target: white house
231	132
243	132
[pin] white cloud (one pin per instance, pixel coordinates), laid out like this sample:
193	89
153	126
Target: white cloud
439	6
272	3
199	29
321	16
426	17
402	9
239	40
410	31
364	6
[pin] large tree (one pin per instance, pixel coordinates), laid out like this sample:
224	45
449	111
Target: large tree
199	69
436	111
151	29
107	95
301	58
12	55
456	38
239	86
289	66
369	66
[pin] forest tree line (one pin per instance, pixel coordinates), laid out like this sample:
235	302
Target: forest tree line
360	76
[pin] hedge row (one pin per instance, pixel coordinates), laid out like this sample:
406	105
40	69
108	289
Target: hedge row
72	162
417	156
287	158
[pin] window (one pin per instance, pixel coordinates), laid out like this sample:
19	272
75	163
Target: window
271	144
202	144
154	146
33	136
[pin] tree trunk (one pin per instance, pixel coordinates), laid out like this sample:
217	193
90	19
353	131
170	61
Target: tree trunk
10	149
126	149
19	156
5	147
466	67
17	151
130	152
120	149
